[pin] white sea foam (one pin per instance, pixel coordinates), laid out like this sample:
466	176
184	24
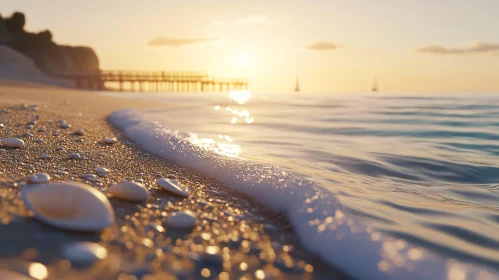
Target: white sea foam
314	213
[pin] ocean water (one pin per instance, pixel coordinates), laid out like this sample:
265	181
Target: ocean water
381	186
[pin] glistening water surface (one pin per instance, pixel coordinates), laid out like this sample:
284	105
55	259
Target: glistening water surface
423	169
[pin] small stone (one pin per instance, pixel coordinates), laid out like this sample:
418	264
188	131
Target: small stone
32	122
38	140
88	177
173	186
84	252
33	108
182	220
2	150
130	191
39	178
29	126
2	125
12	142
58	148
65	125
101	171
27	134
62	173
41	129
75	156
79	140
109	140
139	181
45	156
79	132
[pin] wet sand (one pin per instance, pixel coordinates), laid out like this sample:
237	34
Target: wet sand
235	237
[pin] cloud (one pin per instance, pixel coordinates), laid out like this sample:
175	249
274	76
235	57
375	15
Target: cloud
180	42
323	46
475	47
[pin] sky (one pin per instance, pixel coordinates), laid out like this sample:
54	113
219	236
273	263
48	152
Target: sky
332	45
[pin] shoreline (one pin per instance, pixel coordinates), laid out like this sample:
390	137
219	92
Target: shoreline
275	250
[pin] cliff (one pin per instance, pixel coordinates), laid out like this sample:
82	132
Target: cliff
47	55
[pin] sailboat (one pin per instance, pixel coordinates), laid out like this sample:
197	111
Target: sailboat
297	87
375	85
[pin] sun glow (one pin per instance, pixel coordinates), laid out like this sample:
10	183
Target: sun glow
243	58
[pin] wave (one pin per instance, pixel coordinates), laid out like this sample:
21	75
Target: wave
315	214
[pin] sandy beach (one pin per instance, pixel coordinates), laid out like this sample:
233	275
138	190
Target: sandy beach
234	238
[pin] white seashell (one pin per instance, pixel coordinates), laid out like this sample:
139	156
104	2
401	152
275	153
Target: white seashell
182	220
109	140
101	171
130	191
84	252
79	132
173	186
75	156
88	176
12	142
70	205
39	178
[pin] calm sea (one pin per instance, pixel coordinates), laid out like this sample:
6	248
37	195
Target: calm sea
424	169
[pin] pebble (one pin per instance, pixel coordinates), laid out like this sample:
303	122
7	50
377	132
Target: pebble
79	132
2	125
12	142
131	191
45	156
62	173
75	156
173	186
32	122
28	126
84	252
65	125
109	140
41	129
79	140
58	148
139	181
184	219
27	134
101	171
2	150
69	205
38	140
88	176
39	178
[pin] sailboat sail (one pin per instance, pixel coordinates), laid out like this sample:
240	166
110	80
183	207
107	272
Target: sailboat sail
297	87
375	85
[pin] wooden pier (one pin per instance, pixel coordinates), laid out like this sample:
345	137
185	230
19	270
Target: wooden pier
159	81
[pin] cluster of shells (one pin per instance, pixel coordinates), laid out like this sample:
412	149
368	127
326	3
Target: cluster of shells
75	206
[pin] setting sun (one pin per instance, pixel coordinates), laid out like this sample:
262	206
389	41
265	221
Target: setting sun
243	58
